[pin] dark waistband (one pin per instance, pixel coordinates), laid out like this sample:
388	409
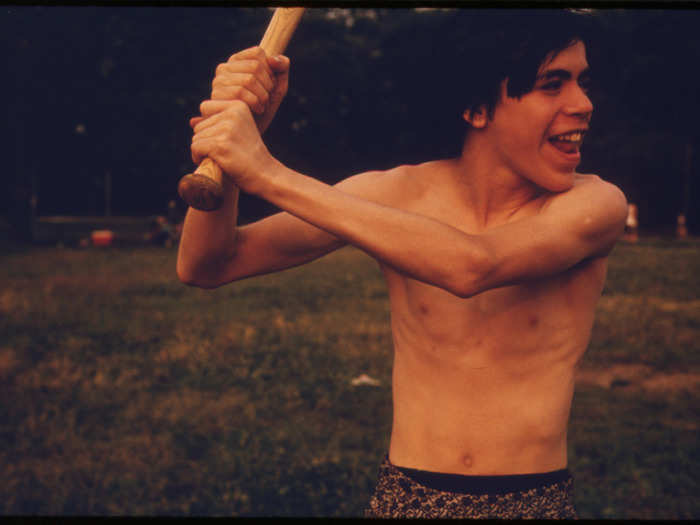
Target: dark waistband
483	484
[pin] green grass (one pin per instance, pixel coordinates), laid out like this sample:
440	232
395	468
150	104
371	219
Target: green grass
125	392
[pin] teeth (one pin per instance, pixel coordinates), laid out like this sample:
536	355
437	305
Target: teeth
574	136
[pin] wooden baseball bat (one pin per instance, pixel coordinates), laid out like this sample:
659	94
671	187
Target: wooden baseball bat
203	189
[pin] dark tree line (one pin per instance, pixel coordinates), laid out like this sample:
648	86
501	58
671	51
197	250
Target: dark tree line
102	95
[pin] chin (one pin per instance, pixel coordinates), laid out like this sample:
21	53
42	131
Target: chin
558	182
566	184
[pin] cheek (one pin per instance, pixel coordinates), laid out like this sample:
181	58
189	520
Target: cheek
521	143
524	129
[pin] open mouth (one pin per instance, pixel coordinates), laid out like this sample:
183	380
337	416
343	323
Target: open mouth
568	142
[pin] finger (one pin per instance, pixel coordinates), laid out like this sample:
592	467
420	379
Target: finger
205	140
281	69
200	150
252	80
228	94
209	108
233	109
278	64
251	52
203	148
207	123
260	69
242	71
215	129
195	120
253	59
242	80
282	85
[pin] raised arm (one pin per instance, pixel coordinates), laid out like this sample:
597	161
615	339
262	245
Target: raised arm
272	244
583	222
211	239
213	249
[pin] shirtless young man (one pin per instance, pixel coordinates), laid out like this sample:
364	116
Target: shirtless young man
494	262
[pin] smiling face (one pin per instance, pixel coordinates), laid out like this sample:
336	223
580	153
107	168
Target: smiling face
538	136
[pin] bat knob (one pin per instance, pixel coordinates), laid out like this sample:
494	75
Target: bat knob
201	192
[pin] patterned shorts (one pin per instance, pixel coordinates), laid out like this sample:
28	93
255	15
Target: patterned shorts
408	493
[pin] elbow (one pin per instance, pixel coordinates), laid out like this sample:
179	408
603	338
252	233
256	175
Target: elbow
187	277
191	278
463	287
471	277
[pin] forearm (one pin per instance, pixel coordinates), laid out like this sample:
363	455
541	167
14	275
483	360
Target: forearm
208	240
421	247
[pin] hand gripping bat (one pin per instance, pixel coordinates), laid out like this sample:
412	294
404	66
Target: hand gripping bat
202	189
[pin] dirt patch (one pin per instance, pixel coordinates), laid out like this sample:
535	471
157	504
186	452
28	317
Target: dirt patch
638	377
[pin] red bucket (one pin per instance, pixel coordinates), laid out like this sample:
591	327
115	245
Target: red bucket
102	237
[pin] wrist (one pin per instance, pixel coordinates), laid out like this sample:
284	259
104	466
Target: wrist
262	177
228	184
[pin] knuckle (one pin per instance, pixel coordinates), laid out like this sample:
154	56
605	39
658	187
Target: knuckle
240	108
249	79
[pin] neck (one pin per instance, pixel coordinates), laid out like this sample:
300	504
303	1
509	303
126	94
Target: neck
493	190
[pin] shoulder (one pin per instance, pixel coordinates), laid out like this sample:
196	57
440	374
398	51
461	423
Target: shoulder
592	209
605	196
595	185
593	195
394	187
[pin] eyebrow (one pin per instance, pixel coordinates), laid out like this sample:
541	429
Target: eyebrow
562	74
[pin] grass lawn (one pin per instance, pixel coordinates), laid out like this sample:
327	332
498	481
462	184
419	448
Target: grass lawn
124	392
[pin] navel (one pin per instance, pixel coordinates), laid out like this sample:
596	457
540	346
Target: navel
533	320
467	461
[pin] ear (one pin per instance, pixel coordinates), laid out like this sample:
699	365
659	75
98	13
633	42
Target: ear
477	119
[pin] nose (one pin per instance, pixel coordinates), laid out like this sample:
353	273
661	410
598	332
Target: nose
578	103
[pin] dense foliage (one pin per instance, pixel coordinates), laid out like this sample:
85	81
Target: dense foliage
98	92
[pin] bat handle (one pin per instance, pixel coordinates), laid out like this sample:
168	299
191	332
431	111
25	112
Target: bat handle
203	189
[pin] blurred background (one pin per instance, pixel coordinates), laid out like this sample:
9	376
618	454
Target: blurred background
125	392
98	99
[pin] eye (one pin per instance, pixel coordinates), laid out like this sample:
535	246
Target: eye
585	84
554	85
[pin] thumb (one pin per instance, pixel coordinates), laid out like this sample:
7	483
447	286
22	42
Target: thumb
279	64
281	70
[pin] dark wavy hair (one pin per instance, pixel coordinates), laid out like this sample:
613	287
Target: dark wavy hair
511	44
471	51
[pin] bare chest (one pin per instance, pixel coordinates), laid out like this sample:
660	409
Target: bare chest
538	318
